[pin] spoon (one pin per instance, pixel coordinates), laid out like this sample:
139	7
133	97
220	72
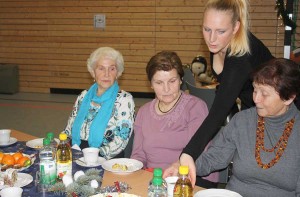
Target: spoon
82	161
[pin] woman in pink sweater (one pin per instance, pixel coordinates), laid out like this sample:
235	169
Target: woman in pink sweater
165	125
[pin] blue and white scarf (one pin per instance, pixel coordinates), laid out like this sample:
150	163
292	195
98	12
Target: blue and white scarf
99	124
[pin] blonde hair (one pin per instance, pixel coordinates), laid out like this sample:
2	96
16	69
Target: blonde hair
239	44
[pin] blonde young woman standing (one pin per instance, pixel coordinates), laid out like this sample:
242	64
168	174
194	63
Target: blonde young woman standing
234	53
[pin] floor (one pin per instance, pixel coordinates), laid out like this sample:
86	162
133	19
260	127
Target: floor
38	113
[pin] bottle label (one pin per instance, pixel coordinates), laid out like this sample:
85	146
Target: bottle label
48	172
63	169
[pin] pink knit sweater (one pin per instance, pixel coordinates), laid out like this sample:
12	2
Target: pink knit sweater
159	139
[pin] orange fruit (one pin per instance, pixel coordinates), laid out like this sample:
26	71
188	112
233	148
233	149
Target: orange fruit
1	156
17	156
8	160
23	160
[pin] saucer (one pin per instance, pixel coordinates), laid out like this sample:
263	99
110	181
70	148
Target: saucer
38	143
81	162
12	140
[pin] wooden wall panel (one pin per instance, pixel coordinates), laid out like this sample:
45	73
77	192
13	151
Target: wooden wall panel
51	40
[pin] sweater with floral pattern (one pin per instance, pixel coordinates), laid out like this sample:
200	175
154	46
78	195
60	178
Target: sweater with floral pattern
119	127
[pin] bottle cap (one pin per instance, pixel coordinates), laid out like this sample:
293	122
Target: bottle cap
46	141
50	135
184	170
157	172
62	136
157	181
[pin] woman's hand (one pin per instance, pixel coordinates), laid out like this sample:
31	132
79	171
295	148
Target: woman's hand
187	160
172	170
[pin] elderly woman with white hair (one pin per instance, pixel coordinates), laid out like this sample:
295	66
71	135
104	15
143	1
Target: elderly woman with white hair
103	115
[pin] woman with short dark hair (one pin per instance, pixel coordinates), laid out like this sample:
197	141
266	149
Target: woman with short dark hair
164	125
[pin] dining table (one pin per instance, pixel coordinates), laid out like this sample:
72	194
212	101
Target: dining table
137	181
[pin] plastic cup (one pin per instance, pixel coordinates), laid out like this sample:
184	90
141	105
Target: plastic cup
171	180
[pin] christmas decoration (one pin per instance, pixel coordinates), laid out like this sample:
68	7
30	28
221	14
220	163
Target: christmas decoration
80	187
86	184
119	187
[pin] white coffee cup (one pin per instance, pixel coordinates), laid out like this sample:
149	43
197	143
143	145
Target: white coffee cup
171	180
4	136
11	192
90	155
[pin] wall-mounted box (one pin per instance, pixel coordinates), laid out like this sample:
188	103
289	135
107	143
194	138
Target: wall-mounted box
99	21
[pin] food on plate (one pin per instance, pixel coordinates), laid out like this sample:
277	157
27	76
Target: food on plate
10	177
15	160
115	194
24	161
1	156
122	167
17	166
38	147
17	156
8	159
5	167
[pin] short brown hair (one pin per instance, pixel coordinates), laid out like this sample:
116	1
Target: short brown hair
281	74
166	61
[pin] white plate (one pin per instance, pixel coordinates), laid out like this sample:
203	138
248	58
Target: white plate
22	180
12	140
81	162
32	158
132	165
216	193
115	194
38	143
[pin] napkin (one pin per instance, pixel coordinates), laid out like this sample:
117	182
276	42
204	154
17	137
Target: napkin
76	147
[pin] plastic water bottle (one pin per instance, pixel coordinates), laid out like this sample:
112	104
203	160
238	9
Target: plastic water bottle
183	186
47	164
50	136
63	157
158	172
157	189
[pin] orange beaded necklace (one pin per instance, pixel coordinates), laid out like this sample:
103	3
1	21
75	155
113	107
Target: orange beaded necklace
281	144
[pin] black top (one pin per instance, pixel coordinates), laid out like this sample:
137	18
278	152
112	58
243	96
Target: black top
235	83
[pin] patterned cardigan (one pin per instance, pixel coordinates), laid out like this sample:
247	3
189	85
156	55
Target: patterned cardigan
119	127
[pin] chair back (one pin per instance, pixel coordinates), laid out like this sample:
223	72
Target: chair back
128	149
188	77
207	95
